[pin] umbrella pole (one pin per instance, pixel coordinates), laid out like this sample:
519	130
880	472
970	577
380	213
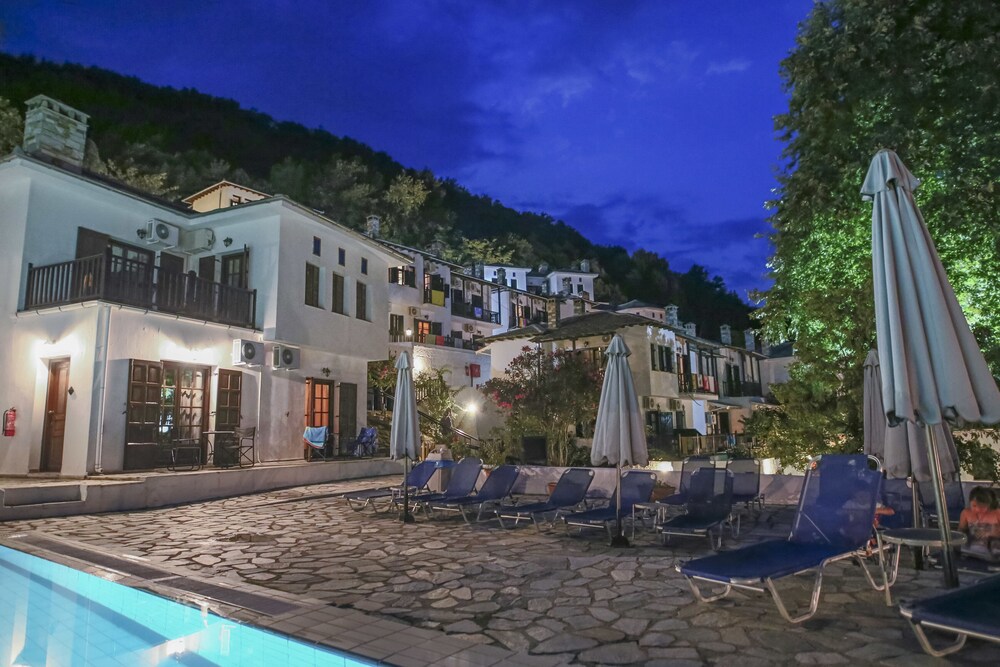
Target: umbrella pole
918	554
947	558
619	539
406	516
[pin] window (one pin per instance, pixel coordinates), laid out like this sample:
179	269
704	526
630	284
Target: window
312	285
653	356
361	305
341	256
338	305
579	289
513	283
317	246
396	325
406	275
234	269
364	266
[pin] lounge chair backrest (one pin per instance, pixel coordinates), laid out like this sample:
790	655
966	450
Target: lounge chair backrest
637	487
498	485
837	504
420	474
746	476
898	496
572	487
315	436
464	476
954	497
688	468
710	496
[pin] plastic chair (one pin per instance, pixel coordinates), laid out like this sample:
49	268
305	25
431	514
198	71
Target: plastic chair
570	491
314	437
833	522
496	487
966	612
709	506
636	487
417	479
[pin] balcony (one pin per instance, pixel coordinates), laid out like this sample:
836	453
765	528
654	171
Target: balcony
696	383
433	339
741	389
133	283
463	309
538	317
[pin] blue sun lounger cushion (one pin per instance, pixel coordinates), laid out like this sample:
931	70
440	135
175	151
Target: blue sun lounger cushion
496	487
416	479
966	612
833	521
570	491
464	476
637	487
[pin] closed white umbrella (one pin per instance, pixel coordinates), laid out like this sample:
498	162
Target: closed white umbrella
619	434
405	431
932	367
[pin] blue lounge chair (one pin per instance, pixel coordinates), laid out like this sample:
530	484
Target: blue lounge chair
746	489
833	522
416	479
366	444
637	487
464	476
314	437
954	498
709	506
966	612
570	491
689	466
496	487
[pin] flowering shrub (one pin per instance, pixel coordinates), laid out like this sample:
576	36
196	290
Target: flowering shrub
550	394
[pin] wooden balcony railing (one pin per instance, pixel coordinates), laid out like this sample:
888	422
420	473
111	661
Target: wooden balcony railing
463	309
741	389
133	283
433	339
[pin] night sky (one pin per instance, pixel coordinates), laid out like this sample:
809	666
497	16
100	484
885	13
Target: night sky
645	124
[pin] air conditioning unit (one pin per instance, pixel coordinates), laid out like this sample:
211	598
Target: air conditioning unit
709	417
412	310
196	240
647	402
247	352
285	357
162	233
469	328
676	405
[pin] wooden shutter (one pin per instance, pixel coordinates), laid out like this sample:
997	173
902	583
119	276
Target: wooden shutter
228	402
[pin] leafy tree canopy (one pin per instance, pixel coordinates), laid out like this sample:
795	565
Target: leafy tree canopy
918	77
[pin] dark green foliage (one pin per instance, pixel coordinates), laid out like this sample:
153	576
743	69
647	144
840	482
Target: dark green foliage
195	140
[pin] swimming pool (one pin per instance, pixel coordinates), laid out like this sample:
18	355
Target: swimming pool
52	615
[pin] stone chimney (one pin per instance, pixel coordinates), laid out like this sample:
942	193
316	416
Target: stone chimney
584	266
373	224
552	310
726	334
673	319
749	341
690	329
501	276
55	130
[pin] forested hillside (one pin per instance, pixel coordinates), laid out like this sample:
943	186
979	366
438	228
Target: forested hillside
176	142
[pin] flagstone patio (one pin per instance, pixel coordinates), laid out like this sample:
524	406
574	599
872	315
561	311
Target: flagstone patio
444	593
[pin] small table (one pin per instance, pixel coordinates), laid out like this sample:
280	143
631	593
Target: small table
917	538
211	446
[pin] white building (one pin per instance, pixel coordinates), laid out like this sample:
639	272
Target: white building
125	316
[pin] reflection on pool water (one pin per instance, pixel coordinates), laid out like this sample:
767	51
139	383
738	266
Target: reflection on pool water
52	615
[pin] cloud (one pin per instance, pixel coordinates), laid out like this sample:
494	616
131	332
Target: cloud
729	67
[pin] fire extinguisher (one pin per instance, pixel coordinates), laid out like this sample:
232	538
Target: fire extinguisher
9	419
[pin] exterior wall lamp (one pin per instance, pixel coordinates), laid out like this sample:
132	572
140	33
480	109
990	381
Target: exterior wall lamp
228	241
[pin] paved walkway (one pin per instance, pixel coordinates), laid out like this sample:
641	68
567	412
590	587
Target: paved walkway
440	592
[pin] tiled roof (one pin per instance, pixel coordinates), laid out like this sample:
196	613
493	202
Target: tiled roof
592	324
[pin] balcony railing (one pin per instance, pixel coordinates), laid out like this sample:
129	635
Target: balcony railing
538	317
133	283
741	389
696	383
463	309
433	339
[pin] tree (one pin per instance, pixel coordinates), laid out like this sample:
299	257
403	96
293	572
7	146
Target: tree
550	394
11	126
921	78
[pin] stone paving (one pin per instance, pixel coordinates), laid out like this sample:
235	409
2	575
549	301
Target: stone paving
502	596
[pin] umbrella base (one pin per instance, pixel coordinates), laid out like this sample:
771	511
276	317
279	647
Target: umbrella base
619	541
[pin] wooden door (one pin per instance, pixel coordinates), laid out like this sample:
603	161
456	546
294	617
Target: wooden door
228	400
55	416
347	410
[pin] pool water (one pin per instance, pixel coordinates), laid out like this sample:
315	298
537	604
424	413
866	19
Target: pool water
54	616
